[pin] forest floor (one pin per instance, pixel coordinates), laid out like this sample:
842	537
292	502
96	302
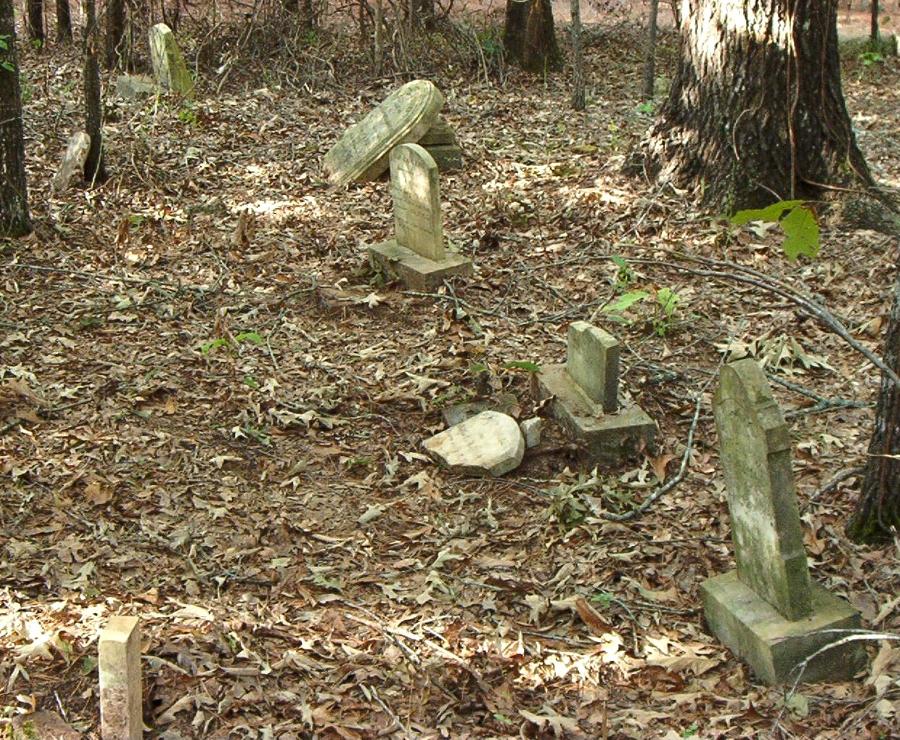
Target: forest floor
211	416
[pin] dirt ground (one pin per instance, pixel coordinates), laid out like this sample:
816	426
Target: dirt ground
211	416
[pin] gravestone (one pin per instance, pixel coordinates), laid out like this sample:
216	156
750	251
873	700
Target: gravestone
132	87
583	397
490	443
363	151
120	680
417	255
168	63
768	610
72	162
440	142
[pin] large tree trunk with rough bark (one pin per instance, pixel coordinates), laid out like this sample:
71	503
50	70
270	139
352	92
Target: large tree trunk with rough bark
115	34
63	21
756	112
877	515
528	35
14	219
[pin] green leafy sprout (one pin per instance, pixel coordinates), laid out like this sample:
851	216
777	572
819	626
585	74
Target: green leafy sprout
797	221
4	46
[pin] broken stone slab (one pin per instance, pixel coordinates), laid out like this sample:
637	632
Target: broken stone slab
42	726
505	403
120	680
531	430
490	443
169	67
775	647
447	157
363	151
72	162
768	611
132	87
441	133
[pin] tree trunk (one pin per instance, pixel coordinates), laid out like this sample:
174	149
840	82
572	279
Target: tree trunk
873	32
63	21
115	33
14	219
756	112
36	20
650	52
379	40
577	58
528	35
877	515
94	170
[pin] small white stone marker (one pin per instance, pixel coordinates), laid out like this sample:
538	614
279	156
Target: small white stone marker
120	680
531	430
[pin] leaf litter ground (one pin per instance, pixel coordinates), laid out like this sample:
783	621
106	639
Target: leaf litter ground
212	415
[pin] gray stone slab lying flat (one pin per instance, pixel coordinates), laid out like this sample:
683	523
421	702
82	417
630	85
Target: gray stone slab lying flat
132	87
363	150
774	646
413	270
447	157
609	438
42	726
490	443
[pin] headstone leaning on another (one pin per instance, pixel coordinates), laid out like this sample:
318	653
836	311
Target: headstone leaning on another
417	255
168	63
768	611
583	397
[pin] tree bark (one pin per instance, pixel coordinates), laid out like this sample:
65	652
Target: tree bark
578	100
14	218
873	31
528	36
63	21
94	169
115	33
650	52
756	112
877	515
36	20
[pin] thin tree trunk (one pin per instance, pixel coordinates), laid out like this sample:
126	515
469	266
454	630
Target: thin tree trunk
877	515
14	218
94	170
873	33
63	21
756	110
577	58
115	33
378	41
650	52
36	20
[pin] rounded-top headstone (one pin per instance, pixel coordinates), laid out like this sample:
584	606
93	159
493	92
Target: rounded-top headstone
363	152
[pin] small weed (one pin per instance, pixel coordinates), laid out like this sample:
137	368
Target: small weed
566	508
868	58
524	365
625	275
188	116
602	599
647	108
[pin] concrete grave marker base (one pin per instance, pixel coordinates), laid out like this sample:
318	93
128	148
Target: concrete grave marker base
413	270
447	157
441	133
490	443
609	438
772	645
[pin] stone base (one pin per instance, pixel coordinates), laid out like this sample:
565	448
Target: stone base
413	270
609	438
447	157
774	646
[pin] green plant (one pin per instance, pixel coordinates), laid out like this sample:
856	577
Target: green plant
602	599
528	367
188	115
4	46
646	108
490	42
796	220
244	336
691	730
666	303
868	58
566	508
625	275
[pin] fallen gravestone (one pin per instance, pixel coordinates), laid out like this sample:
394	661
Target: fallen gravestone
120	680
72	162
583	397
363	152
132	87
417	255
168	64
768	611
41	726
490	443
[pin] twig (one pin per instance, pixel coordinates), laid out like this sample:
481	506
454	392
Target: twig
836	481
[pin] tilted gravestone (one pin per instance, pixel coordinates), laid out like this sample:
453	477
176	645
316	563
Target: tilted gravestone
363	151
417	256
168	64
768	610
583	395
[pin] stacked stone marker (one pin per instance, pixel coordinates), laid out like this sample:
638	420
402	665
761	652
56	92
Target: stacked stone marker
120	680
768	610
583	397
417	256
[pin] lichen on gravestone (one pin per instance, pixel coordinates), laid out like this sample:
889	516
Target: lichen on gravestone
415	189
168	63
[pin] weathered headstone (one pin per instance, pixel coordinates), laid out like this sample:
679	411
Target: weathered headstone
72	162
120	680
132	87
440	142
363	151
168	63
769	611
417	255
490	443
583	397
